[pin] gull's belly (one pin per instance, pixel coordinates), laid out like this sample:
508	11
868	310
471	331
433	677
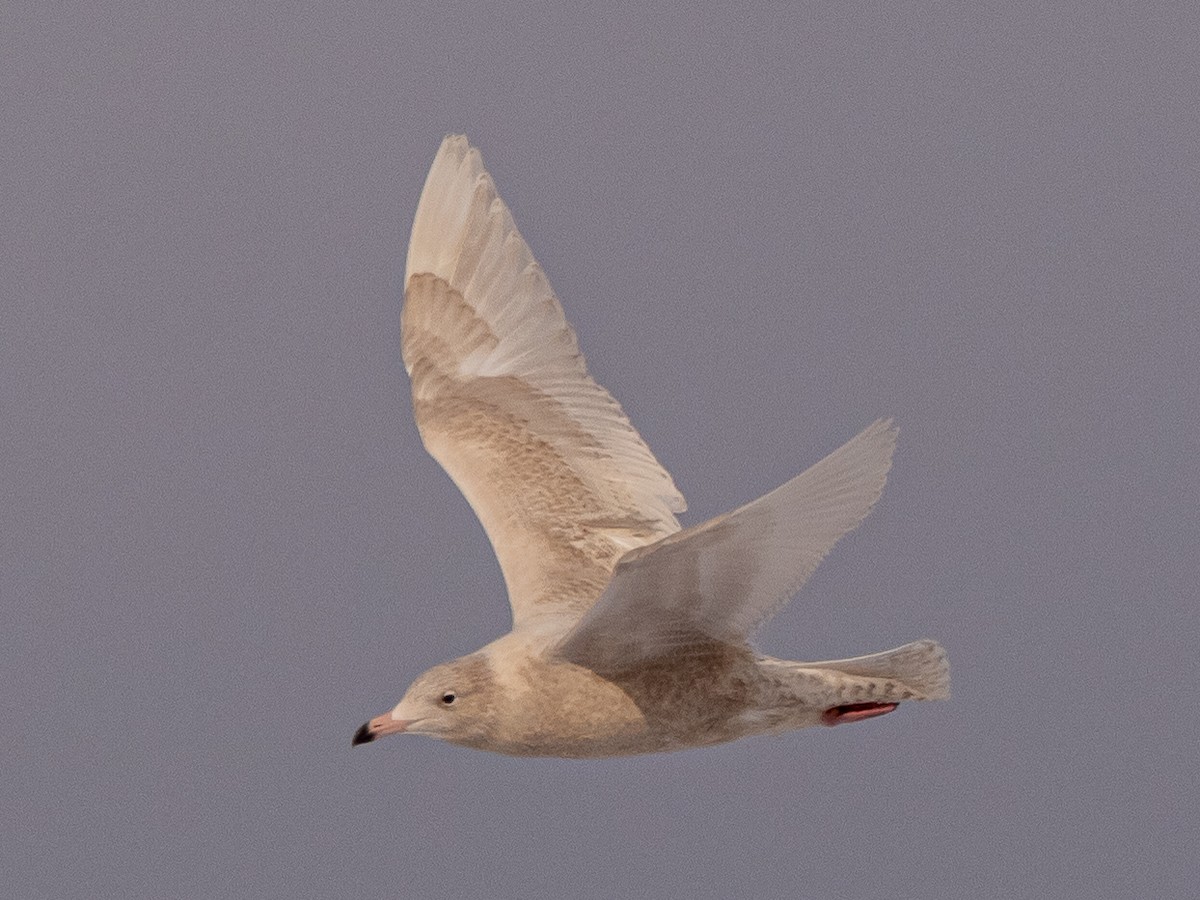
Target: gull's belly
554	708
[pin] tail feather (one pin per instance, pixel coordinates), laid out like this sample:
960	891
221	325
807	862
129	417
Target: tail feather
921	666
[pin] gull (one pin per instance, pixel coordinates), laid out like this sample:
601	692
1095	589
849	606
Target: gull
629	635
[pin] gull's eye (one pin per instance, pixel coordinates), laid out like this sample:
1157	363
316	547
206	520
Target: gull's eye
448	698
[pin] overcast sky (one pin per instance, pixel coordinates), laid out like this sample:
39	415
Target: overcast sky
224	547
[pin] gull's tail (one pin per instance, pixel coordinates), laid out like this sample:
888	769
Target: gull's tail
921	667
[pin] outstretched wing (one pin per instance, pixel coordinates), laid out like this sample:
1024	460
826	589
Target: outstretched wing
720	580
561	481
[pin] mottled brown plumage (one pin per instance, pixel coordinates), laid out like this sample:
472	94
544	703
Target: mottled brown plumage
629	635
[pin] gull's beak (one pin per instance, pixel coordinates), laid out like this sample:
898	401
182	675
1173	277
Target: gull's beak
379	727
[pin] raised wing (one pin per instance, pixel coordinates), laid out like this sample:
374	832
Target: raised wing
718	581
561	481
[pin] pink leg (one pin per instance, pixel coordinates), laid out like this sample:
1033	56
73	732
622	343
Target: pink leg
855	712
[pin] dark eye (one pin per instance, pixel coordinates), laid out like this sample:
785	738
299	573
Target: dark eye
449	697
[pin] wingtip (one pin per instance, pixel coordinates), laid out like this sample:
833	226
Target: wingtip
455	141
884	424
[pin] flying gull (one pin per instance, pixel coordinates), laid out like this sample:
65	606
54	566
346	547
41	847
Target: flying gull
629	635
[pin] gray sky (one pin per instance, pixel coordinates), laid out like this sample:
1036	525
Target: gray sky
224	546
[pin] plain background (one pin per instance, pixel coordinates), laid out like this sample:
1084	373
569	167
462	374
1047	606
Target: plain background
224	547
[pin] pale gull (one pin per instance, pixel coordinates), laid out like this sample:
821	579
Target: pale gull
629	635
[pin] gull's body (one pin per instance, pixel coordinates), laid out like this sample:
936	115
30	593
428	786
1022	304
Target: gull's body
629	635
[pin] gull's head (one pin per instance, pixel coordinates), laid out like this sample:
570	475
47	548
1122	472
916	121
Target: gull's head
453	701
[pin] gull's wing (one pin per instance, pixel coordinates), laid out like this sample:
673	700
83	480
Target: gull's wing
720	580
561	481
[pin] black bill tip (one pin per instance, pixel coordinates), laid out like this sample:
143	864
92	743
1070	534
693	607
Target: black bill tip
363	735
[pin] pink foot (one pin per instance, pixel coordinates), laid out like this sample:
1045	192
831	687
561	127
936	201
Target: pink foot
855	712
